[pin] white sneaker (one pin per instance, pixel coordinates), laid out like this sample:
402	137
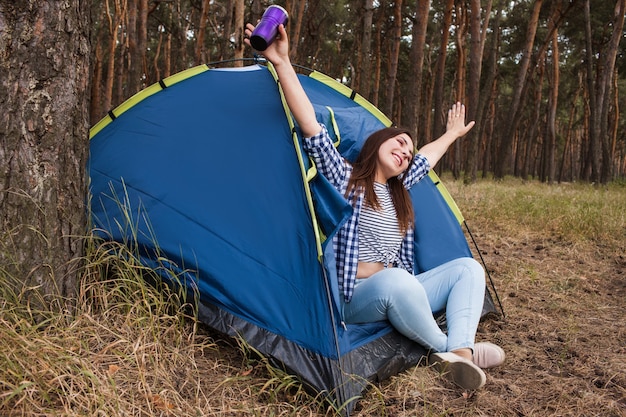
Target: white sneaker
461	371
488	355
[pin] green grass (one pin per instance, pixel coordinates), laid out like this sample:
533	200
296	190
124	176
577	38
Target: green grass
572	212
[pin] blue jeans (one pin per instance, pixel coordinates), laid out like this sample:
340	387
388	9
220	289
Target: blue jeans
409	301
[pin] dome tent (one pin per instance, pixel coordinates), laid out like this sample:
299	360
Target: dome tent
205	170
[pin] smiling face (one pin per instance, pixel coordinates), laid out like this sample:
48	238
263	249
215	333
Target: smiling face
394	157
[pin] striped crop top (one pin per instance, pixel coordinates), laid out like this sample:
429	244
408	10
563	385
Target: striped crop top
379	233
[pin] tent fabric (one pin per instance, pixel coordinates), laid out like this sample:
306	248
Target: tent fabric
201	171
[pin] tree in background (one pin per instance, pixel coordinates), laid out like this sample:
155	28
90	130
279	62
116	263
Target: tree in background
514	113
601	58
44	89
518	65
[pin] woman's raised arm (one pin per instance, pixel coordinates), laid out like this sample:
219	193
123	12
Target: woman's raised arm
278	54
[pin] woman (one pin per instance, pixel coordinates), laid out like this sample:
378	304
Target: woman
374	249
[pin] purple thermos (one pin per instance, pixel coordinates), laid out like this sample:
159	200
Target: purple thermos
267	29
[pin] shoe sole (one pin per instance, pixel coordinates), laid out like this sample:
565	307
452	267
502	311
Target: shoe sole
461	372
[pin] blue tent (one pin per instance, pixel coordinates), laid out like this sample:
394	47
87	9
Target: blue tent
204	171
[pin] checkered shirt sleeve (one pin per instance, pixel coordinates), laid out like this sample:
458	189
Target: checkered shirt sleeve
327	159
337	170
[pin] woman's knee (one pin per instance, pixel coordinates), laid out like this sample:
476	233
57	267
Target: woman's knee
472	269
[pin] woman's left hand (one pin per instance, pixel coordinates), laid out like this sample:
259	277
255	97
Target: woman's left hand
456	121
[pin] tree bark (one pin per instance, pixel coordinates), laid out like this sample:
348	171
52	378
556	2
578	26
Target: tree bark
488	95
114	17
420	26
239	45
473	87
603	99
506	141
132	59
460	81
568	147
167	53
95	111
142	44
45	90
365	57
526	144
296	16
439	124
396	34
378	62
136	40
550	152
594	155
204	16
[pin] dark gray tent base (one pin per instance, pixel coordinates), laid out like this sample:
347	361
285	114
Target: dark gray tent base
376	361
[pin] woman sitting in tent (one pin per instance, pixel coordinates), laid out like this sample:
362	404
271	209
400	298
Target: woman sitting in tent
374	248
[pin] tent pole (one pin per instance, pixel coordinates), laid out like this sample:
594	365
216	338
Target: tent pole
493	287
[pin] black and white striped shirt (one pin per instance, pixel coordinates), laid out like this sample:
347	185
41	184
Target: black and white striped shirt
379	233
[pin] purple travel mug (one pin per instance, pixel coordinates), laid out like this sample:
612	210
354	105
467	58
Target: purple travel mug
267	29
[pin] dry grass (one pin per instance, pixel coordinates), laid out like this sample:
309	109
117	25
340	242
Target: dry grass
556	253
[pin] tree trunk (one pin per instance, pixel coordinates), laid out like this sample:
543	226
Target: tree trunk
179	49
525	148
45	94
440	112
167	53
114	17
227	24
204	16
473	88
378	63
95	112
488	96
239	18
614	126
136	35
296	16
157	55
142	43
568	147
460	81
490	148
605	82
550	154
365	57
420	25
132	59
461	53
396	34
594	160
514	111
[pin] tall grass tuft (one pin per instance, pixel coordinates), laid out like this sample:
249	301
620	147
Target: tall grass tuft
113	353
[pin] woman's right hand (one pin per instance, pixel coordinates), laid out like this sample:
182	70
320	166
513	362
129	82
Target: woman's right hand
278	51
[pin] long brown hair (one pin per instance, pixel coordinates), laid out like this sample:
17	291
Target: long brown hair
364	172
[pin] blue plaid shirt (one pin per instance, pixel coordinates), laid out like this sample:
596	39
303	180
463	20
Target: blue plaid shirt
337	170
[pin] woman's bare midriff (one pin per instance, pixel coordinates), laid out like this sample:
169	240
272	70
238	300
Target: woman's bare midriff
367	269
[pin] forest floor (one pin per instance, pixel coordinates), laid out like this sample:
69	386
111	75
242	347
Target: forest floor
557	257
